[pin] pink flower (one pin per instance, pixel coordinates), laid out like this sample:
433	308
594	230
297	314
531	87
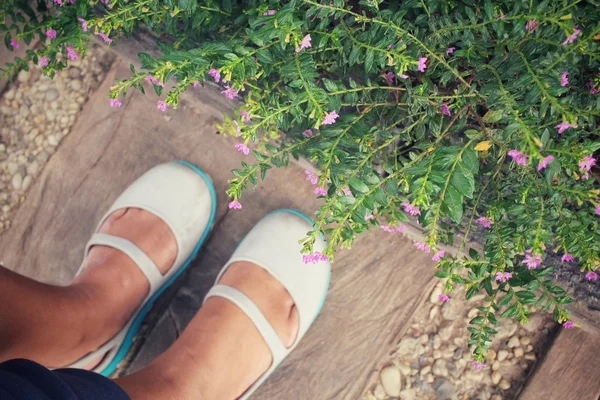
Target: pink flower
592	86
446	110
238	131
403	76
14	44
235	205
564	79
587	163
51	34
304	44
242	148
569	325
591	276
424	247
161	105
196	84
439	255
319	191
478	366
347	191
409	208
389	46
389	76
485	222
500	17
573	37
518	157
503	276
585	176
563	126
532	261
59	2
43	61
72	54
314	258
311	177
230	93
531	25
450	50
422	65
598	210
84	25
307	133
567	258
154	80
104	37
544	163
444	298
330	118
387	228
115	103
245	116
216	75
270	12
368	217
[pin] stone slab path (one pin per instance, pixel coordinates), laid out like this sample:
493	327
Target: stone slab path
375	289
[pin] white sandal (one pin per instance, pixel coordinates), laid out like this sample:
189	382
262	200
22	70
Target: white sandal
273	244
183	196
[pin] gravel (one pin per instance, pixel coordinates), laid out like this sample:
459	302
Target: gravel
36	114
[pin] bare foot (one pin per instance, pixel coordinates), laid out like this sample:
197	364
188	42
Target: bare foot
221	353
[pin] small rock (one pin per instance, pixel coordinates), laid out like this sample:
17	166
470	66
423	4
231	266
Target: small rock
23	76
74	73
513	342
43	157
443	389
379	392
410	394
27	182
10	94
437	342
33	168
434	313
424	339
525	340
50	115
451	310
504	384
403	368
448	354
458	353
437	354
429	378
496	397
17	181
528	348
75	85
534	324
502	354
506	328
445	333
51	94
496	365
530	357
425	370
439	368
496	377
407	347
391	381
472	313
491	355
435	293
12	168
52	141
519	352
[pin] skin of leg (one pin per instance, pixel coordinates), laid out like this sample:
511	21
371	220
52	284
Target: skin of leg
56	325
221	353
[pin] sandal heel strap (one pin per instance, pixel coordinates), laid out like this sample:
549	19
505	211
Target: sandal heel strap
278	350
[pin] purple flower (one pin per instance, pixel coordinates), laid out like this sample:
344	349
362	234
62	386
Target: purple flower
84	25
115	103
544	163
238	131
424	247
389	76
598	210
14	44
573	36
72	54
518	157
422	65
307	133
387	228
500	17
593	89
43	61
235	205
242	148
446	110
154	80
439	255
319	191
58	2
569	325
485	222
503	276
330	118
563	126
230	93
304	44
51	34
591	276
368	217
587	163
315	258
403	76
478	366
567	258
161	105
347	191
409	208
270	12
444	298
196	84
215	74
564	79
104	37
532	261
245	116
531	25
450	50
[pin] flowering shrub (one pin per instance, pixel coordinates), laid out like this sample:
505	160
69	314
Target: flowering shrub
476	117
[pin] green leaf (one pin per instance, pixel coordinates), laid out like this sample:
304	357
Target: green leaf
493	116
357	185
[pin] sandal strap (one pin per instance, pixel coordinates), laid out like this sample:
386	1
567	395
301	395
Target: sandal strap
278	350
141	259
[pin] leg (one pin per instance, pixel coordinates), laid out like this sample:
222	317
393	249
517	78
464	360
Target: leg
221	353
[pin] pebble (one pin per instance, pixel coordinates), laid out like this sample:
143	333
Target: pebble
504	384
403	368
24	76
519	352
491	355
444	389
502	354
496	377
52	141
425	371
27	182
391	381
439	368
17	181
525	340
12	168
435	293
513	342
51	94
530	357
451	311
76	85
